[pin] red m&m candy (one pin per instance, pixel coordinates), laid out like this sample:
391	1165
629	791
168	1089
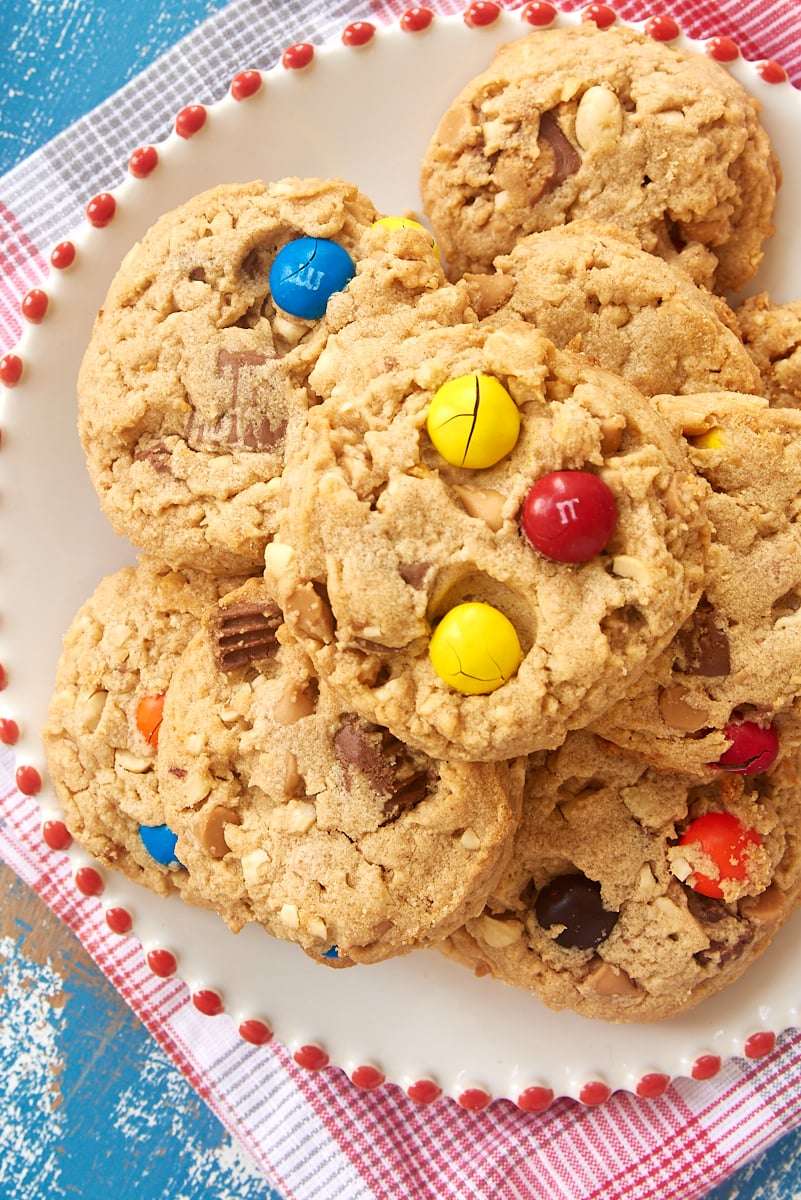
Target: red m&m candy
569	516
727	843
753	748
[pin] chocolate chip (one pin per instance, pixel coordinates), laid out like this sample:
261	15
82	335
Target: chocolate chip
243	633
198	275
704	643
575	902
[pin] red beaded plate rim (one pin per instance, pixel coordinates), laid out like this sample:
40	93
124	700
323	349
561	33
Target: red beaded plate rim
89	878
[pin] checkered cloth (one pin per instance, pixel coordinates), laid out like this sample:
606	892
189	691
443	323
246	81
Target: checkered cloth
315	1134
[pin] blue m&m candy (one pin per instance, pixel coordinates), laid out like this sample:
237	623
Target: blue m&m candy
306	273
159	841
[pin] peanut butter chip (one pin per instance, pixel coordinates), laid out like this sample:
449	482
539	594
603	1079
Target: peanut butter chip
294	702
210	829
489	292
310	614
678	713
611	429
766	909
608	980
293	780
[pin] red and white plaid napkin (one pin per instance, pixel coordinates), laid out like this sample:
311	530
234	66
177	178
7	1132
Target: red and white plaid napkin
315	1134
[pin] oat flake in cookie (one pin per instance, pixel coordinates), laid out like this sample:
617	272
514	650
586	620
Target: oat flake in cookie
294	812
613	905
193	384
102	733
608	124
383	540
736	661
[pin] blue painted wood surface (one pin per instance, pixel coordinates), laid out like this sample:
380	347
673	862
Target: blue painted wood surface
89	1104
60	58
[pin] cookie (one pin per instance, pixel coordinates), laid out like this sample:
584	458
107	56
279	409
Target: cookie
772	336
632	895
292	811
591	288
607	124
194	381
388	543
102	732
727	688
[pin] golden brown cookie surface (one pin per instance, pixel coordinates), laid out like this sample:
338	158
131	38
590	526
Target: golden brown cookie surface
608	124
592	288
292	811
193	384
383	540
772	336
102	733
632	895
736	662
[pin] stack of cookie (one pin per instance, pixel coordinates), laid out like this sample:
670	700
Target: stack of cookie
470	584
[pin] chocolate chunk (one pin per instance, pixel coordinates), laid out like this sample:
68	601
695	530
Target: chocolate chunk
706	909
242	420
575	902
414	573
243	633
262	435
721	953
566	159
408	794
364	749
704	644
158	455
198	275
381	758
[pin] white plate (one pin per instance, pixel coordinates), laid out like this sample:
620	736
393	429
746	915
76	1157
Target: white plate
363	113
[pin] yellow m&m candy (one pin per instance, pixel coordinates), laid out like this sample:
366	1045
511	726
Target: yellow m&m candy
473	421
711	440
406	223
475	648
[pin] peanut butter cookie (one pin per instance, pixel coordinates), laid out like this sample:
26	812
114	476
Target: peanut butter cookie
194	382
726	690
293	811
609	124
772	336
632	895
592	288
486	545
102	733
